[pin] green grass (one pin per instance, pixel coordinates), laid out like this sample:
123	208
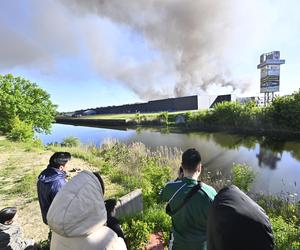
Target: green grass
130	116
127	167
26	186
9	167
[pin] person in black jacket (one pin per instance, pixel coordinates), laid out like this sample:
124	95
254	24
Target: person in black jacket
113	222
51	180
236	222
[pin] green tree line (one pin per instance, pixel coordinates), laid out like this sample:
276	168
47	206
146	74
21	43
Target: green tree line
282	114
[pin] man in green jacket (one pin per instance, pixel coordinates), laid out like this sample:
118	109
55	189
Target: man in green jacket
189	215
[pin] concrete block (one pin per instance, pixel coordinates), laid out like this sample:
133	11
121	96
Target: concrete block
130	204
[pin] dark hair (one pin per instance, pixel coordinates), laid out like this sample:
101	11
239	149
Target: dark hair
7	214
110	205
59	159
97	174
190	159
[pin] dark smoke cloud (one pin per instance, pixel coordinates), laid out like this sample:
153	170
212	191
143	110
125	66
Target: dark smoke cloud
190	35
189	38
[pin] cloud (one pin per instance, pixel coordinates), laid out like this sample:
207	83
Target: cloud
192	38
155	48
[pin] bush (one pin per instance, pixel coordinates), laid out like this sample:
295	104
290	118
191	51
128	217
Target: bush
137	233
154	177
275	206
152	220
287	235
188	116
242	176
164	116
161	221
138	117
20	131
70	141
285	111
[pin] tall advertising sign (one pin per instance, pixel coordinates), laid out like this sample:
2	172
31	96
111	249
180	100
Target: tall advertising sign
269	78
270	72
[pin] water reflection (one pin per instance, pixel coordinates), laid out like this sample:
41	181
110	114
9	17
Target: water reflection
276	162
232	141
294	148
270	150
268	158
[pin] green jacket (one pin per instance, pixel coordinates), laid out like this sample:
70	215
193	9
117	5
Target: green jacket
189	223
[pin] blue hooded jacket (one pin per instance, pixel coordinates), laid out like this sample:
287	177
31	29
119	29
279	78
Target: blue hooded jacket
50	181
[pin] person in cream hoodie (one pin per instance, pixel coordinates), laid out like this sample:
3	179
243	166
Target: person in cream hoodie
77	217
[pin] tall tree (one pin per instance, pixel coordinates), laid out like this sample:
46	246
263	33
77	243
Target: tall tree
25	100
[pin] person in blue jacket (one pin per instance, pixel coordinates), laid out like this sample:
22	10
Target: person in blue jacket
51	180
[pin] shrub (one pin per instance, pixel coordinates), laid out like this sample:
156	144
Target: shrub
152	220
188	116
154	177
275	206
226	113
285	111
37	143
20	131
286	234
242	176
164	116
138	117
157	215
137	233
70	141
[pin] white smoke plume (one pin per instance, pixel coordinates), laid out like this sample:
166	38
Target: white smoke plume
190	40
191	36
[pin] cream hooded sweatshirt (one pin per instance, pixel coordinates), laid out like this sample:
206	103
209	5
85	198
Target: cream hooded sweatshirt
77	217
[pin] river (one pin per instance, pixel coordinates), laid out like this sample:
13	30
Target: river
277	163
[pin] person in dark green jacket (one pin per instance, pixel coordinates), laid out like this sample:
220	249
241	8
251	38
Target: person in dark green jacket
189	216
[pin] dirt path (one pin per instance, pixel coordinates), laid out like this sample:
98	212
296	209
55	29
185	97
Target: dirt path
17	163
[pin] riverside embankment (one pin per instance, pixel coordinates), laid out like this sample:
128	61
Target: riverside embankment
280	119
123	124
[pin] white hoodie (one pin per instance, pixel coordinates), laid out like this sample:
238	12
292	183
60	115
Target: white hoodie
77	217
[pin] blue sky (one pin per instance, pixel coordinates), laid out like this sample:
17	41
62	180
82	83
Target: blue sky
91	56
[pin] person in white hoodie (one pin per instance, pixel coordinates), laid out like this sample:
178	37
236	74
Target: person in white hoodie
77	217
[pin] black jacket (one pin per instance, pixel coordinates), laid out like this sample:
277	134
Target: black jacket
50	181
236	222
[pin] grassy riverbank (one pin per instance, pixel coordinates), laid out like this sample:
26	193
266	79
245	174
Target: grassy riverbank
20	164
280	119
124	168
132	116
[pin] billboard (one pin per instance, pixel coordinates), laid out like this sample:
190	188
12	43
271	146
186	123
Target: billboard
270	72
273	56
269	78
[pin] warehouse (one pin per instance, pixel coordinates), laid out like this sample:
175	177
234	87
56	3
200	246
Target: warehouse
185	103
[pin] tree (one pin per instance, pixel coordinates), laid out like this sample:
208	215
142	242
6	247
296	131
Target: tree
285	111
25	100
